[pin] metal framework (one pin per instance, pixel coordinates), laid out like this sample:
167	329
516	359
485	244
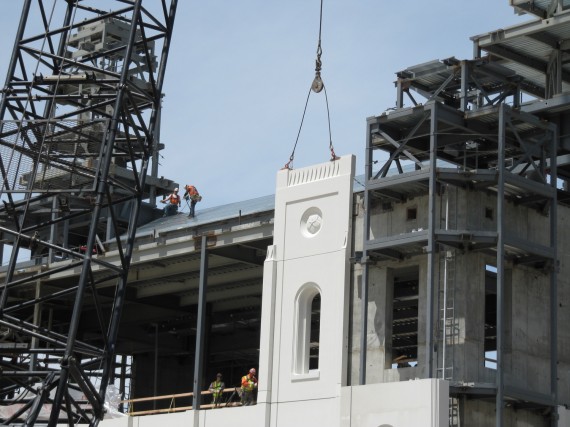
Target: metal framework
526	178
472	131
79	131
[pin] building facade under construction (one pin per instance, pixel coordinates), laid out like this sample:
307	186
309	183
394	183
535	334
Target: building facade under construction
431	291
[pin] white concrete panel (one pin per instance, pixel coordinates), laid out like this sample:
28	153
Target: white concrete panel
324	271
315	223
267	327
245	416
419	403
312	413
313	207
159	420
564	417
178	419
115	422
313	216
345	406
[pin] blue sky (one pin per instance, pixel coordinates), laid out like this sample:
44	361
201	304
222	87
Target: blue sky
239	72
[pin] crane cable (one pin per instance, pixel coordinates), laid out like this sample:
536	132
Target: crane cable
316	86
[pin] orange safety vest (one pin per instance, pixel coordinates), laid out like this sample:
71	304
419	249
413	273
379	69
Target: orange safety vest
174	199
248	383
192	191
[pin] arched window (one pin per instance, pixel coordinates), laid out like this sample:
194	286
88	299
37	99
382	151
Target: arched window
307	329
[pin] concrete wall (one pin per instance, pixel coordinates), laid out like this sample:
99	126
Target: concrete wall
527	301
246	416
479	413
563	307
421	403
391	220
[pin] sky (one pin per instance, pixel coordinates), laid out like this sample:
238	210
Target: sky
239	71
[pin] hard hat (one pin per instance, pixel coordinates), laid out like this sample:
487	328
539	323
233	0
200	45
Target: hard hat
176	189
252	371
219	375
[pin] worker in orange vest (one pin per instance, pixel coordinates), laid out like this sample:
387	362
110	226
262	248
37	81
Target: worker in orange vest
191	194
173	203
248	387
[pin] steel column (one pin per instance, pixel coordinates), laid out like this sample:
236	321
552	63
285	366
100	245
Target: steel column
399	94
464	100
432	243
554	281
499	400
368	156
200	327
155	378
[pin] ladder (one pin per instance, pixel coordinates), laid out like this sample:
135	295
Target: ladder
448	327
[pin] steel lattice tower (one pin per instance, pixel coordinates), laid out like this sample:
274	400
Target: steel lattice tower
80	111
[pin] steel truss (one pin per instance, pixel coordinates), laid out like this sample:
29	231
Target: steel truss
80	113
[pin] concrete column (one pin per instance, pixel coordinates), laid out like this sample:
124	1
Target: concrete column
380	311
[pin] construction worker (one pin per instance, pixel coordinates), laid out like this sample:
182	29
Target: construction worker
173	203
191	194
216	388
248	386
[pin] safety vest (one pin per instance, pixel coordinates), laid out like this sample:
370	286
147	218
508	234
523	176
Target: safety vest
247	383
174	199
216	387
192	192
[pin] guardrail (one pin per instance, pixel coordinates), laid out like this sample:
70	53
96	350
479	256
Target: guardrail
172	406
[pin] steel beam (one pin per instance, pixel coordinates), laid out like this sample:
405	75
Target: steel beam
419	238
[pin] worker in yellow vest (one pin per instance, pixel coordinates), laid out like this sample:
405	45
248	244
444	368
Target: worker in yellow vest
216	388
248	387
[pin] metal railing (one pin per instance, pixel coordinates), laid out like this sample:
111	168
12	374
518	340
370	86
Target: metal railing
172	407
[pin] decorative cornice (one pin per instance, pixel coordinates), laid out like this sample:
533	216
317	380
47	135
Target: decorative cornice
315	173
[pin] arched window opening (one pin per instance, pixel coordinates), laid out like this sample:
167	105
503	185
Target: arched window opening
307	329
315	332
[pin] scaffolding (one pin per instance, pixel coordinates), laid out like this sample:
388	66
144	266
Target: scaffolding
79	142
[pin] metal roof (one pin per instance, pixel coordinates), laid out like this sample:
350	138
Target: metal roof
210	215
527	48
540	8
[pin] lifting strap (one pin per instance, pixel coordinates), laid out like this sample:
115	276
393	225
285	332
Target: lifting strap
316	86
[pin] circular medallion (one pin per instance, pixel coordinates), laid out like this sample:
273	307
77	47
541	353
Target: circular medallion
311	222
